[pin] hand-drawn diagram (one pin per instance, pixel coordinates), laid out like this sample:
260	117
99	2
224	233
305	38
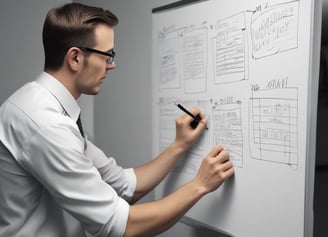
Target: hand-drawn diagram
275	30
183	58
168	59
193	45
231	54
273	125
227	125
167	116
168	113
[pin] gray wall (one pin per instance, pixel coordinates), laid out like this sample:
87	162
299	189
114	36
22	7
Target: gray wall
21	43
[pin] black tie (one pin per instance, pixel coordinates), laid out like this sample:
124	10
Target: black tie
79	124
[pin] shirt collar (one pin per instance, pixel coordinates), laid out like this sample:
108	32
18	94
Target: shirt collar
63	96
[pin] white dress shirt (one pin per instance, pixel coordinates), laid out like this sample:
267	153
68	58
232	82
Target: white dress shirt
47	169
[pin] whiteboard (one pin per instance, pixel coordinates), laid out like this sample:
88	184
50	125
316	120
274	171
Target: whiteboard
252	67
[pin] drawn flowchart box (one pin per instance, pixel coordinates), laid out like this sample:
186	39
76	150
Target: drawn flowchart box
273	125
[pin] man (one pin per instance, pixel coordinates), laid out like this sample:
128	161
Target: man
48	167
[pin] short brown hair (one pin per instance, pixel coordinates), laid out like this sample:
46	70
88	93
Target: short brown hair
71	25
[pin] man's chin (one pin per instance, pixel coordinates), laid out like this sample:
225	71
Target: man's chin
93	92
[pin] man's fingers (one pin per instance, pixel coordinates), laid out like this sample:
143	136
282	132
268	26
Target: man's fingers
216	151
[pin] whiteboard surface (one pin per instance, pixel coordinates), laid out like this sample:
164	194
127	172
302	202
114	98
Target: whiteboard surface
247	65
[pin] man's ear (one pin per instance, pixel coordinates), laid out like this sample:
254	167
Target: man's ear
74	58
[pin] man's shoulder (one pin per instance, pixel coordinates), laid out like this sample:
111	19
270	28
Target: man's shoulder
32	98
31	104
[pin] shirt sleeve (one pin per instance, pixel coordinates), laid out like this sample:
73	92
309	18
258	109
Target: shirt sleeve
122	180
55	157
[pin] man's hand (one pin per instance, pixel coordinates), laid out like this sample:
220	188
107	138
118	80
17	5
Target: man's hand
186	135
215	169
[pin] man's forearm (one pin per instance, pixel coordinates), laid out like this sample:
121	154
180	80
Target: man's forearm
152	173
155	217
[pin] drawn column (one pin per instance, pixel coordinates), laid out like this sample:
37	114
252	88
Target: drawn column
230	57
193	48
228	130
168	59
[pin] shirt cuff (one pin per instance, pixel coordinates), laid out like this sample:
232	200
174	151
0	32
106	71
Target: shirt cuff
132	180
116	226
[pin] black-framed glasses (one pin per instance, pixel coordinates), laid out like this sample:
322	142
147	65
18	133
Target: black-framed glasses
110	56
